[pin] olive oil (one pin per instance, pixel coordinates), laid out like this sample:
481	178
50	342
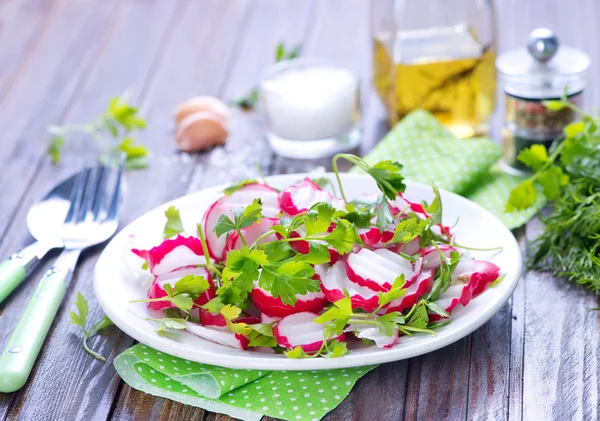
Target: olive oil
444	71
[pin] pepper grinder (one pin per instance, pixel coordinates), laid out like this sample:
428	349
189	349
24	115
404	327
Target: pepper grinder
544	71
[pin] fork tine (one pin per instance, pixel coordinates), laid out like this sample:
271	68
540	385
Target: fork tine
75	196
88	195
98	210
114	202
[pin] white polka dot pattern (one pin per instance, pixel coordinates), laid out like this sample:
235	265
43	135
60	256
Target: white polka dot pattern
429	152
295	395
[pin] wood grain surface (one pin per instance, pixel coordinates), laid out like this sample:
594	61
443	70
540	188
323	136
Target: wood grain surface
61	60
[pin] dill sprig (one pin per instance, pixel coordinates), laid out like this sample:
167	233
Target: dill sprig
569	174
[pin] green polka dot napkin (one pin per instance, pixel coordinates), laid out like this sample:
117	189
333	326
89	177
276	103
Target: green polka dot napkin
430	153
244	394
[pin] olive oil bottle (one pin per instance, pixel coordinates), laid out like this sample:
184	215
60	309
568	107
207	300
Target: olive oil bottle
448	70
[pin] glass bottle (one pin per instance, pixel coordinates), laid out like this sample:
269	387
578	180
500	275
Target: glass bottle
436	55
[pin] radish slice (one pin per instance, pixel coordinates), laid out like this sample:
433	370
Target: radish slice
225	205
378	269
300	330
373	334
303	247
266	319
209	319
432	255
421	287
302	196
402	203
157	290
172	254
410	248
486	273
219	335
470	278
373	237
334	281
251	234
274	307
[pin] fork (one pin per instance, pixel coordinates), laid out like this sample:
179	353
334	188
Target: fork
92	219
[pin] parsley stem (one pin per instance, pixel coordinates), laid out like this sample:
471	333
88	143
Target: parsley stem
209	264
94	354
337	175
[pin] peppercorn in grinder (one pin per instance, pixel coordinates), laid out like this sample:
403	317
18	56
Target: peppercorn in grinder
544	71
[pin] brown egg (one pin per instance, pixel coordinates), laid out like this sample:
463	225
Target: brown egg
202	103
201	130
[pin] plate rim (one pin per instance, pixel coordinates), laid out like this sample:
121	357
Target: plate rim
266	361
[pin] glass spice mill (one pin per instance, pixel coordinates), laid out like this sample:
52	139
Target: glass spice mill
438	56
530	76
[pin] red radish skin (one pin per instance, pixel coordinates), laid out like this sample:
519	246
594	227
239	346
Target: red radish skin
334	281
373	334
432	257
373	237
486	273
301	196
172	254
378	269
303	247
299	329
157	290
421	287
470	276
251	234
224	206
210	319
274	307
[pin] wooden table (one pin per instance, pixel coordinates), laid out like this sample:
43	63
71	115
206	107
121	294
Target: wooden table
60	61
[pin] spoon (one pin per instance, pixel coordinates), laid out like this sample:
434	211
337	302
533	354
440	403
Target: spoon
44	220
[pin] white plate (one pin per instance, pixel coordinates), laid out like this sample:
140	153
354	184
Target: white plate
117	281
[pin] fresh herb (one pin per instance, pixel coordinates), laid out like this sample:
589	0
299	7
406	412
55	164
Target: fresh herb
80	319
111	131
174	225
569	175
249	101
183	295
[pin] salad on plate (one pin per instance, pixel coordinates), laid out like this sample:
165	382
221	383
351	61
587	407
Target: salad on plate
308	273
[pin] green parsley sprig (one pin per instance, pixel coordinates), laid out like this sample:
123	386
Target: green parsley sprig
79	318
569	175
111	130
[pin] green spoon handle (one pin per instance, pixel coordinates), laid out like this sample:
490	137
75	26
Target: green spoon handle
21	351
14	270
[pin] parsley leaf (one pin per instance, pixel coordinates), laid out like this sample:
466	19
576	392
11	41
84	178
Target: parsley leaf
80	319
409	229
343	237
388	178
318	218
553	180
243	217
534	156
174	225
288	280
521	197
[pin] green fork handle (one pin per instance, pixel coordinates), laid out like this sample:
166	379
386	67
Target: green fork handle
14	270
21	351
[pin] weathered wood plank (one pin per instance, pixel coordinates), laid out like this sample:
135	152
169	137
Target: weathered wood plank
24	23
246	144
41	93
560	377
95	383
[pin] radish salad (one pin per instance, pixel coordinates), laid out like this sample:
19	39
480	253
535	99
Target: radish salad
308	273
